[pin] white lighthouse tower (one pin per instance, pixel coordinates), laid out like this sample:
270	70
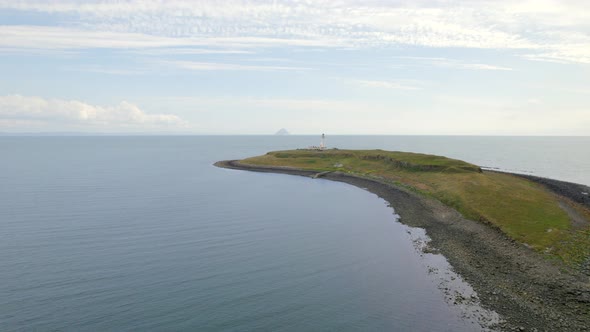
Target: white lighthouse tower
323	142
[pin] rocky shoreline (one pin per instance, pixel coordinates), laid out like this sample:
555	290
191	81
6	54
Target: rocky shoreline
529	292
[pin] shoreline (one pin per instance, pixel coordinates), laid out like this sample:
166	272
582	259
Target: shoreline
529	292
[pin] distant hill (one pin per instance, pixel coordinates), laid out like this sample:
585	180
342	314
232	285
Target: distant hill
282	131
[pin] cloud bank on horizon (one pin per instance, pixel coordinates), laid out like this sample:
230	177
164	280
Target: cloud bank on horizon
34	114
344	67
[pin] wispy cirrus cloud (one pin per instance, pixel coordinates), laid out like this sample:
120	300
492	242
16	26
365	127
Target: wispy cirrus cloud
206	66
107	70
482	66
40	37
190	51
155	66
452	63
551	30
392	85
60	38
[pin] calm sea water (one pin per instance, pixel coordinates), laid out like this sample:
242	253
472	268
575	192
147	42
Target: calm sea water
143	233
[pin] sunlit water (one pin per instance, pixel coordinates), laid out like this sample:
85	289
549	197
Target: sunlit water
143	233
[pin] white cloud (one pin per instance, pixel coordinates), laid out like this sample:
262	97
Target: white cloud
481	66
39	37
51	114
544	29
451	63
205	66
155	66
106	70
393	85
58	38
188	51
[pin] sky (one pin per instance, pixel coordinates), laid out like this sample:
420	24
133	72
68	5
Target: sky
472	67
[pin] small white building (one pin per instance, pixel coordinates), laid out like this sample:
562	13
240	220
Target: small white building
322	144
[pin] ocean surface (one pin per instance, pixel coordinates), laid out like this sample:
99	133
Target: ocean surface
143	233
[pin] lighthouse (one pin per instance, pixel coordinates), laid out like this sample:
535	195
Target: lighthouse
323	142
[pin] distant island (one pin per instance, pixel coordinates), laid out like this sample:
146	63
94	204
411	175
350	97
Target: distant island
522	242
282	132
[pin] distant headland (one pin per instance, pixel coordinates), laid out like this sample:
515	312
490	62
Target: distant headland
523	243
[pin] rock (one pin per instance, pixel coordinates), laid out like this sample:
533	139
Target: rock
282	132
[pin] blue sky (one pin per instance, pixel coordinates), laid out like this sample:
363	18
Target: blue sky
252	67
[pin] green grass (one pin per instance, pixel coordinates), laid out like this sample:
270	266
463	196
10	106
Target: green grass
522	209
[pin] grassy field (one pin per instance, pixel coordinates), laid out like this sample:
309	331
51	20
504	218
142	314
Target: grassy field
523	209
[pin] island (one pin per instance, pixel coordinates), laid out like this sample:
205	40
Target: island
522	242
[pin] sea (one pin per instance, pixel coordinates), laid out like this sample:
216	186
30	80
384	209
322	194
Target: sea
143	233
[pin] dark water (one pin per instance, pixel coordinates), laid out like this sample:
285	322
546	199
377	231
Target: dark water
143	233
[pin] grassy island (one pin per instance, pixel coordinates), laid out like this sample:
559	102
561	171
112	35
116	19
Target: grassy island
524	210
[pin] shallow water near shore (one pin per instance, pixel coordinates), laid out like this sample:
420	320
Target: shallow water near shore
143	233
